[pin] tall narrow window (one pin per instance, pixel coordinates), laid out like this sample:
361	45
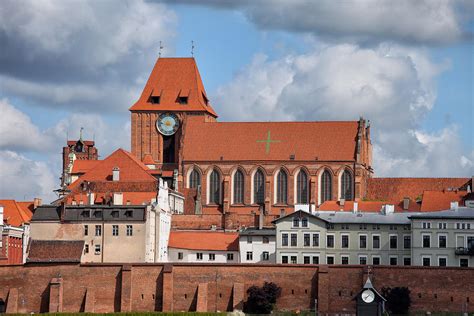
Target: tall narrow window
214	188
259	187
302	188
282	187
346	186
326	186
238	187
194	179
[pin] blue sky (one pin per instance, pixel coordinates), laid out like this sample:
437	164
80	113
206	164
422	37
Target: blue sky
405	66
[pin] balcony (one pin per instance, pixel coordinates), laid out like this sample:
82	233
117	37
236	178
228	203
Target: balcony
462	251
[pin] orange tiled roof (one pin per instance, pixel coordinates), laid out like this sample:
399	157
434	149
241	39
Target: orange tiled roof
148	160
395	189
169	79
135	198
16	213
239	141
204	240
82	166
131	169
441	200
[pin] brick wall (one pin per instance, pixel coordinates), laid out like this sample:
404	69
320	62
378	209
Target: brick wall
190	287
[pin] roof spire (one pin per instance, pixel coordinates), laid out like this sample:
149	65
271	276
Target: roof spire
80	133
192	48
160	49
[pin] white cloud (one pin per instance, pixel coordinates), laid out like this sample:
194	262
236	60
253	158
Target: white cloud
393	86
17	132
406	21
86	55
24	179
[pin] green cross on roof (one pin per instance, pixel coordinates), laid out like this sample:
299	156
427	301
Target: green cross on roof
267	142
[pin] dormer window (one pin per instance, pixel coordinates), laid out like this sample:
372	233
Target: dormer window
155	100
115	214
183	100
98	214
128	214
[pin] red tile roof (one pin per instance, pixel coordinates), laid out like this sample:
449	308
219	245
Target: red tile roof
363	206
204	240
16	213
169	79
148	160
82	166
131	169
332	141
395	189
55	251
441	200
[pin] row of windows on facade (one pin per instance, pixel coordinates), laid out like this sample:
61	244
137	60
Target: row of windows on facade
265	256
115	230
302	186
363	260
303	222
445	225
313	240
330	259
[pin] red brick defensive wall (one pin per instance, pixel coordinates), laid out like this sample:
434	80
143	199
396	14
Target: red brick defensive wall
197	287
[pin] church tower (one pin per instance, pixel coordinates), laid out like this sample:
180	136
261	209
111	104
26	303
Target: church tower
173	94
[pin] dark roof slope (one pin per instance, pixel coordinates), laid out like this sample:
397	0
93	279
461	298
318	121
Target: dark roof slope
69	251
46	213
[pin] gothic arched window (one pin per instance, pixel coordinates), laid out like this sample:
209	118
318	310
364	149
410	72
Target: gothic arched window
194	179
214	187
238	187
346	186
302	188
259	187
282	187
326	186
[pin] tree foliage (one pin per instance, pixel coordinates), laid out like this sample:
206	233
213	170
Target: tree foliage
398	299
262	299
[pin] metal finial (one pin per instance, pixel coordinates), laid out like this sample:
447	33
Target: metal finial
192	48
161	48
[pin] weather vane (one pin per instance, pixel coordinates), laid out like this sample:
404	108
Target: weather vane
161	48
192	48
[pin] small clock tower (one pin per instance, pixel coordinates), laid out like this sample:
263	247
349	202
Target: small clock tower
369	301
173	94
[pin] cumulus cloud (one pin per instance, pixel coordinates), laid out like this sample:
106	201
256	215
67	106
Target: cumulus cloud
22	178
427	22
17	132
393	86
85	54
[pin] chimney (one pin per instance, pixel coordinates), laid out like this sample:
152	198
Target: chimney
282	212
388	209
116	174
118	198
342	202
356	207
1	216
261	217
91	197
406	203
37	202
454	206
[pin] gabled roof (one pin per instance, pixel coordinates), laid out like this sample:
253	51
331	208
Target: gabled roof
16	213
204	240
300	214
55	251
82	166
441	200
170	79
131	169
395	189
263	141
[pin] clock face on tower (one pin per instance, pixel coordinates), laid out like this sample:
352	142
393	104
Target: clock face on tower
368	296
167	124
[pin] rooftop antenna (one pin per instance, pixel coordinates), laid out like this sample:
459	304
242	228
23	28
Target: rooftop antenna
192	48
161	48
